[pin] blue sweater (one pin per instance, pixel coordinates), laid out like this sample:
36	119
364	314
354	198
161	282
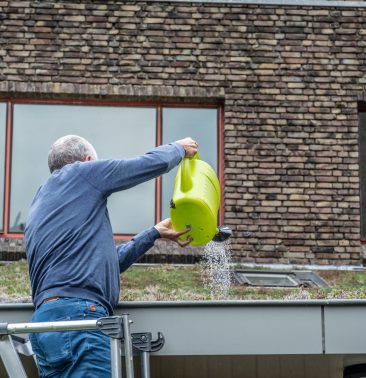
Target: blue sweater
69	241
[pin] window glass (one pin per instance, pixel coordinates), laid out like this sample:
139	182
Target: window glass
201	125
2	159
362	160
115	132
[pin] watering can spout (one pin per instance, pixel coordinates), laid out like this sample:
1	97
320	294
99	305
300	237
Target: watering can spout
223	234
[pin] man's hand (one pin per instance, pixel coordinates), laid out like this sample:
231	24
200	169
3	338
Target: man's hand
166	231
189	145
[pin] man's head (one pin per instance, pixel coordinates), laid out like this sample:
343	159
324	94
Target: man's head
68	149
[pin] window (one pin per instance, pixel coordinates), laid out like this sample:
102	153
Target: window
2	159
201	125
113	131
362	162
116	131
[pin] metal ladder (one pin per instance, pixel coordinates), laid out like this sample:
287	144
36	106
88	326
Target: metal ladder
116	327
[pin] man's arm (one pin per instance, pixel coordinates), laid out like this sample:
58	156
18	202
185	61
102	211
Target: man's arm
110	176
130	252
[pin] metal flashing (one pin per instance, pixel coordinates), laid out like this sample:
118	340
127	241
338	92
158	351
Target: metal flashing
296	3
315	337
29	307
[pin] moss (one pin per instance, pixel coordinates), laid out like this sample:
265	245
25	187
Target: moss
168	282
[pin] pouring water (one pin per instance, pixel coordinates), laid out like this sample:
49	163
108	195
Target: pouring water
216	268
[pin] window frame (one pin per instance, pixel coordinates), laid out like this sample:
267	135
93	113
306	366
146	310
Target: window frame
4	232
362	188
2	228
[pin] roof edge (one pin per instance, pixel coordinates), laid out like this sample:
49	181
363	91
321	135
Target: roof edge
296	3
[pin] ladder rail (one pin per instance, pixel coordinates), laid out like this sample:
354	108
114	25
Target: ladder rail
71	325
10	358
116	329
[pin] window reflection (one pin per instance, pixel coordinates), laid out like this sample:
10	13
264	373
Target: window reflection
2	159
201	125
115	132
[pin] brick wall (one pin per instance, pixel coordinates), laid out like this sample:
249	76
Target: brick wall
290	80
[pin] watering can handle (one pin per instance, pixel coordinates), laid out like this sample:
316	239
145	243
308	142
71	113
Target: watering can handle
186	174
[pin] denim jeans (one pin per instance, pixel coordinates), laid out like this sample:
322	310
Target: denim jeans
71	354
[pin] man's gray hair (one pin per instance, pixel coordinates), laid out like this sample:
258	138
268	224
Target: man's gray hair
67	150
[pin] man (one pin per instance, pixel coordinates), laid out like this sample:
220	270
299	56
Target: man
74	264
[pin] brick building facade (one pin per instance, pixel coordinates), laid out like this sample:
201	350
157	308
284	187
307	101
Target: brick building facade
290	79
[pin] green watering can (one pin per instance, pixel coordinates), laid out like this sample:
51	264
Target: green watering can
196	201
